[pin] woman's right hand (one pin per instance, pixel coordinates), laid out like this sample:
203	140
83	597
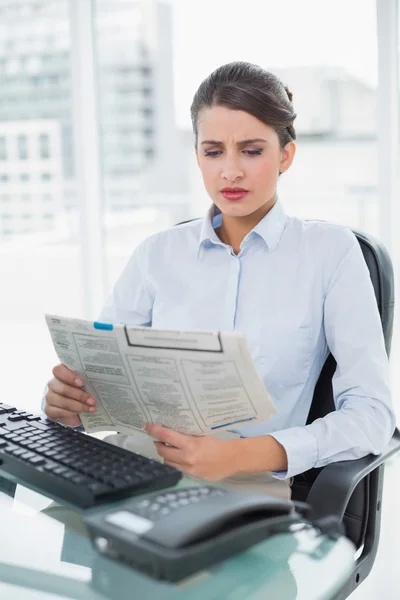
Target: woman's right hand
65	398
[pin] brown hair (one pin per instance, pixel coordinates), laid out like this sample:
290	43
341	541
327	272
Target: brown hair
248	87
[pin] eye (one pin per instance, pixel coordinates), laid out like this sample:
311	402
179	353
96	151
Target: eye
253	152
212	153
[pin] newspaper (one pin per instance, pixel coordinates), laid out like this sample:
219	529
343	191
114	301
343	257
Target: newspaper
196	382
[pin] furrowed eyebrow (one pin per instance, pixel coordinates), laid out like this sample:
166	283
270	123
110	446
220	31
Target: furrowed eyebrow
241	143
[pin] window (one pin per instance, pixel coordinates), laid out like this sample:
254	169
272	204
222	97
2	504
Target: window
44	145
22	147
48	216
47	197
3	148
27	290
46	177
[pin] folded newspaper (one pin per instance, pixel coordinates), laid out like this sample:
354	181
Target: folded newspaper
197	382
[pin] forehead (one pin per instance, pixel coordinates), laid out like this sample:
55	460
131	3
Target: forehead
221	123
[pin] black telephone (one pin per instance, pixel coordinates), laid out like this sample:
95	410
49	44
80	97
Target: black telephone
172	534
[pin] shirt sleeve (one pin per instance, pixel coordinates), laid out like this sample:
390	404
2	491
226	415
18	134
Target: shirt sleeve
364	419
131	301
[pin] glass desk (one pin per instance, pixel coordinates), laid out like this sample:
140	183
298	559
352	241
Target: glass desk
46	554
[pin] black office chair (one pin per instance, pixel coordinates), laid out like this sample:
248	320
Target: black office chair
351	490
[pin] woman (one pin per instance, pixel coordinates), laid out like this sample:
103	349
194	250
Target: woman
298	289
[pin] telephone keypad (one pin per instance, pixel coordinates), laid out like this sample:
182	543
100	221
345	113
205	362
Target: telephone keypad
163	504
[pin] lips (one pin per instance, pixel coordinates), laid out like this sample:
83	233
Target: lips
234	193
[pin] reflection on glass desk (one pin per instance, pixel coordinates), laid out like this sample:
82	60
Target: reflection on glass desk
45	553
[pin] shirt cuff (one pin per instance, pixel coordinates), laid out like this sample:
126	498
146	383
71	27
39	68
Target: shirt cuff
301	450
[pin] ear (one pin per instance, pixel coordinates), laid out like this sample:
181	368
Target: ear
287	156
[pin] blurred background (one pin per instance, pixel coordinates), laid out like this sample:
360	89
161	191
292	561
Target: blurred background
96	149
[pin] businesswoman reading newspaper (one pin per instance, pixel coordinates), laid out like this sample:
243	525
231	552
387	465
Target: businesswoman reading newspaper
298	289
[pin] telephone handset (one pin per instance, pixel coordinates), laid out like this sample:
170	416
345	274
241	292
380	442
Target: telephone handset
179	531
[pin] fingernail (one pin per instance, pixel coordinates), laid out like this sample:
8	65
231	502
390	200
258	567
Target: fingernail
92	408
144	428
78	382
91	401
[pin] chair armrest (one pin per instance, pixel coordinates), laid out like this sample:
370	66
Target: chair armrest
333	487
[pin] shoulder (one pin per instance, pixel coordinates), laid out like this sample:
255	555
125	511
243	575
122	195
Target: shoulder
329	249
173	239
323	236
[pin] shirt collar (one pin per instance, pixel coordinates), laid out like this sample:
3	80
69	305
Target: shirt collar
270	228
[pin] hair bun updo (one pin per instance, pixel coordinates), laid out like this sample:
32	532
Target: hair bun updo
250	88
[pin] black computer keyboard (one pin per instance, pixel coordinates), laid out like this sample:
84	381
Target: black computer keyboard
71	466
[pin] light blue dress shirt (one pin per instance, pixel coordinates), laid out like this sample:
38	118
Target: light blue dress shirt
298	289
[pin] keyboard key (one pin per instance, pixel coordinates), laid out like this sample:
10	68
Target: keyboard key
13	418
60	470
37	460
40	426
3	443
50	466
27	455
14	426
24	442
10	448
34	447
6	408
81	479
68	474
49	453
36	438
118	483
33	418
98	488
19	451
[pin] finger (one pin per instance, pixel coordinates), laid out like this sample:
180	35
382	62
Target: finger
68	391
62	373
169	436
59	414
68	404
169	452
71	421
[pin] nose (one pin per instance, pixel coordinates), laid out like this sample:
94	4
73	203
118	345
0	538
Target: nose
231	170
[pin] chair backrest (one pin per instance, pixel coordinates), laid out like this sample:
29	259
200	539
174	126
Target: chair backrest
381	273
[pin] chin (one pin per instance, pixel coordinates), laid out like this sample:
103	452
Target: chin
237	209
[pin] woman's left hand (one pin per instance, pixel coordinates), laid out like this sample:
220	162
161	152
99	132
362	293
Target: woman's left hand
205	456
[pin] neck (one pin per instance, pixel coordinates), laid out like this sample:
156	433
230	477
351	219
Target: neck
234	229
